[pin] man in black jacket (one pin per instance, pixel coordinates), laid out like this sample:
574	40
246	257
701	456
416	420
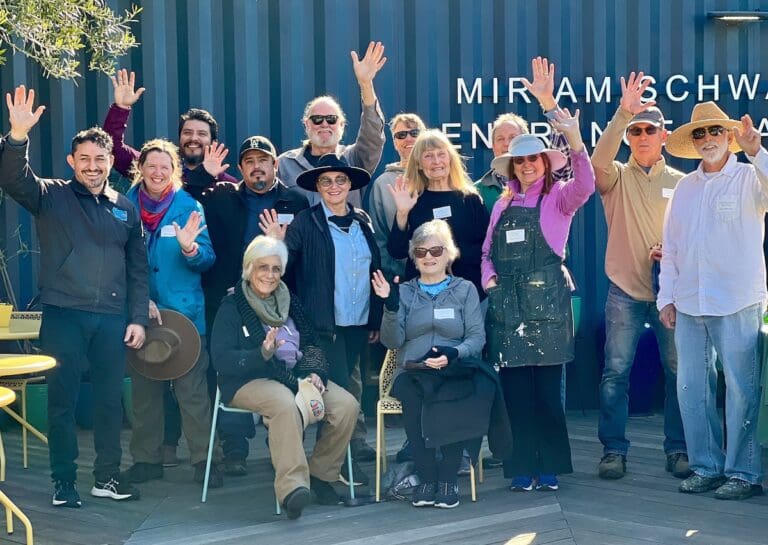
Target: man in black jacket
94	291
232	212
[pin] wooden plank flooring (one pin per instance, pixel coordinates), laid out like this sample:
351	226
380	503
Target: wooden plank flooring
643	508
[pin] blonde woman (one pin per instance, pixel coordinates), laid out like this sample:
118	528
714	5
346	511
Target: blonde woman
436	186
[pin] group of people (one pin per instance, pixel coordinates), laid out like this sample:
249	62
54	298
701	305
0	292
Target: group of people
287	278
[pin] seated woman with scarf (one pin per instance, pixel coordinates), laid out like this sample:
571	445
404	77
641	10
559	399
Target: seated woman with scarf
263	344
435	323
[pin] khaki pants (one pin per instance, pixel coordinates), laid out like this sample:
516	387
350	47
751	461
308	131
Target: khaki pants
194	404
276	404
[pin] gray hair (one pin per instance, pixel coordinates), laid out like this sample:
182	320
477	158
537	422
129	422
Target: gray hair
263	246
438	229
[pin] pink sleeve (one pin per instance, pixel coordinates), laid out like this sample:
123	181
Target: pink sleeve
487	270
576	192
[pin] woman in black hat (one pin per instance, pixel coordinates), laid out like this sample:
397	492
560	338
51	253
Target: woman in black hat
331	256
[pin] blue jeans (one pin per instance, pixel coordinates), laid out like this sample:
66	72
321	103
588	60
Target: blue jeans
625	320
735	339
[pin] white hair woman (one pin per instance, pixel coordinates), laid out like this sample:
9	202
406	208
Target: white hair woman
435	324
262	344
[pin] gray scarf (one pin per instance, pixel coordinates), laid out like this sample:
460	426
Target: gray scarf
272	311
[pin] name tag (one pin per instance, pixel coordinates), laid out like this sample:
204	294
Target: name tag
667	192
726	203
167	231
515	235
443	314
283	219
120	214
442	212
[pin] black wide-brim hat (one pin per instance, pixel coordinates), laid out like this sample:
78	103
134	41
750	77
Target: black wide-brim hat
331	163
170	350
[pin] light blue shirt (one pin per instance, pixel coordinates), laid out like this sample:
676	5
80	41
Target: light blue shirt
352	263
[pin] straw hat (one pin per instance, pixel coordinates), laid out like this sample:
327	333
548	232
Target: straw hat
170	350
527	144
705	114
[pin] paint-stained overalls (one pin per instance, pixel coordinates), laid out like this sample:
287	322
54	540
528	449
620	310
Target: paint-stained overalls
530	335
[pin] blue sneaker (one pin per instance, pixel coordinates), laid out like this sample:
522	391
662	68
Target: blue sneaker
547	482
522	483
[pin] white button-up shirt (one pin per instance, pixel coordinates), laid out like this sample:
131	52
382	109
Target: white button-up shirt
712	257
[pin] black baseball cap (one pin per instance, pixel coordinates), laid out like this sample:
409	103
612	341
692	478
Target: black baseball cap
258	143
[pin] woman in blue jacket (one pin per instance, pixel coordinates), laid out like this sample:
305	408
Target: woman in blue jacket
178	250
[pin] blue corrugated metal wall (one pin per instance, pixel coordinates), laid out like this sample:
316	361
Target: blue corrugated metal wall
255	63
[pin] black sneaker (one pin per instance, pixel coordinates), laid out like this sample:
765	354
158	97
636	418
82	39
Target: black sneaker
424	495
295	502
491	462
465	465
324	492
360	477
215	479
235	467
447	496
142	472
65	494
115	488
612	466
677	465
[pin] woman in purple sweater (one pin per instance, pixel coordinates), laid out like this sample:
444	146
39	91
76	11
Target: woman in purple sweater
529	325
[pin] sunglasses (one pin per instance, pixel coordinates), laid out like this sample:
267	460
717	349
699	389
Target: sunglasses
326	181
435	251
637	131
714	130
317	119
401	135
528	158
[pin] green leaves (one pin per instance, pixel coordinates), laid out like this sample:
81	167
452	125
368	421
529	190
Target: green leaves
57	34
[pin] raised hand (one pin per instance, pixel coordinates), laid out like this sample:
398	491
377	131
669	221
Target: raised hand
126	94
380	285
20	113
404	200
569	125
270	344
213	157
632	94
747	136
543	85
367	68
186	236
270	226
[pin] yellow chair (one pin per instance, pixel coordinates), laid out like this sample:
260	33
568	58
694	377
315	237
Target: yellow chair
7	397
390	405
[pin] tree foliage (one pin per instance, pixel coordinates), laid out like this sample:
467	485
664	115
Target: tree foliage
55	33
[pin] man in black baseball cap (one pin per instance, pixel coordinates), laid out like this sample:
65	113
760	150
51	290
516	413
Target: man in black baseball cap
233	212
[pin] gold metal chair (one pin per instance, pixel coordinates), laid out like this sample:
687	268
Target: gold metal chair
390	405
7	396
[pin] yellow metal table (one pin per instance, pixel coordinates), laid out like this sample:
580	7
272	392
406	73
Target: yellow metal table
7	397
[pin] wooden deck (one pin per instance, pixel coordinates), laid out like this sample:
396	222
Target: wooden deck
642	508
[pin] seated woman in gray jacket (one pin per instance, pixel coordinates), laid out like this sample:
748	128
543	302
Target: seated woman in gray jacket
435	323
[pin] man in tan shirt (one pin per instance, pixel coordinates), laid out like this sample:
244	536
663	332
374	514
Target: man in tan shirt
635	196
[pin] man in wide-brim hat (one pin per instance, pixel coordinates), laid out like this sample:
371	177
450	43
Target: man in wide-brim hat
712	291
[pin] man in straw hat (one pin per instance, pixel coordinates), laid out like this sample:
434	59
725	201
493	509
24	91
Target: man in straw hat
712	291
635	196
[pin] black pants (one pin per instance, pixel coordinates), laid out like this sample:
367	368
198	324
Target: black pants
172	416
343	352
80	340
427	466
535	409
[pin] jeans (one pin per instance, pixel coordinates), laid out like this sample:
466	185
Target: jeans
80	340
625	320
735	339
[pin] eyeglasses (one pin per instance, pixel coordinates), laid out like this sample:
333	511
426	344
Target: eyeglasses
637	131
714	130
326	181
401	135
521	160
274	269
317	119
435	251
